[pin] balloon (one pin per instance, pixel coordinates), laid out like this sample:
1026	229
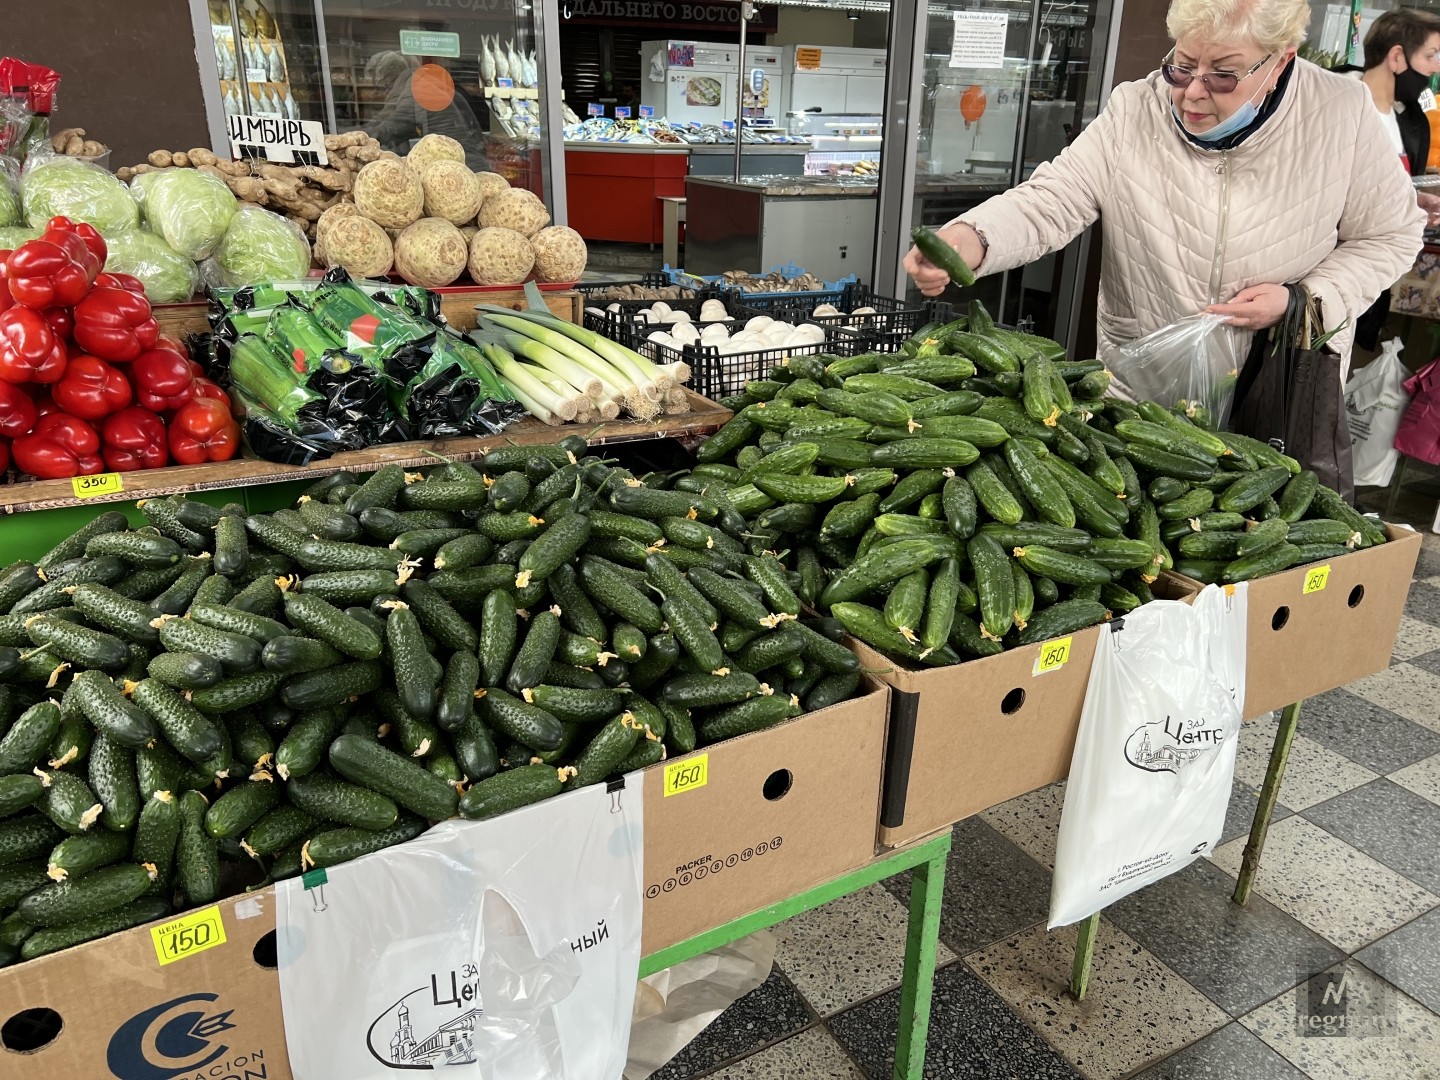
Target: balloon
972	104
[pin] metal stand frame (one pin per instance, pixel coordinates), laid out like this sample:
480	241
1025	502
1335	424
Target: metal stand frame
1249	863
921	939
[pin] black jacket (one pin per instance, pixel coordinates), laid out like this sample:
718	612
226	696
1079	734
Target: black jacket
1414	128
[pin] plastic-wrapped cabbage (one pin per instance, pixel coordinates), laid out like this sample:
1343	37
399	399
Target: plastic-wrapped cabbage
13	237
78	190
258	247
190	209
9	193
168	276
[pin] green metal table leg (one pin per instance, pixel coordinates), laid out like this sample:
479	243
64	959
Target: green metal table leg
927	887
1269	795
1084	953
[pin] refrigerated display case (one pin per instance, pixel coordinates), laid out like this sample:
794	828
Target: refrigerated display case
400	71
685	81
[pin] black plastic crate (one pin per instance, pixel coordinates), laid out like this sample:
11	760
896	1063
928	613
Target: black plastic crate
715	375
653	279
892	322
627	325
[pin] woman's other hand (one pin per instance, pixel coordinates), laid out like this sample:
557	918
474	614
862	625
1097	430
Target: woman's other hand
1431	205
929	278
1256	308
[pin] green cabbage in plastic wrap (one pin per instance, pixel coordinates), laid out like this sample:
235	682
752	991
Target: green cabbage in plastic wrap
12	238
190	209
10	213
257	247
168	276
77	190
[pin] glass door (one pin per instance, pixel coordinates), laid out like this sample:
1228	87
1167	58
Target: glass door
999	87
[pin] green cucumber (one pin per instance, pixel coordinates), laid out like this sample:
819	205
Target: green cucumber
182	724
995	584
1066	617
336	846
513	789
81	898
325	621
327	799
606	749
197	859
330	686
370	765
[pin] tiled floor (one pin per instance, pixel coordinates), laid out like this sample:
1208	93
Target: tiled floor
1184	985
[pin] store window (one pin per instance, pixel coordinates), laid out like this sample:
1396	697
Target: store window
398	70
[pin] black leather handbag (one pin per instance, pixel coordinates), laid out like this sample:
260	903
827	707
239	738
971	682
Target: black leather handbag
1289	394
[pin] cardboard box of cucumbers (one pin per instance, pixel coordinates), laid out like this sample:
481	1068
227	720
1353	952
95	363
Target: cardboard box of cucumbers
216	700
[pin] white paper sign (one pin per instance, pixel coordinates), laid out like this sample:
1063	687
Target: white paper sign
278	139
979	39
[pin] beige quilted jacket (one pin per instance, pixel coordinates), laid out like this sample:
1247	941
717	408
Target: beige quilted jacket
1315	196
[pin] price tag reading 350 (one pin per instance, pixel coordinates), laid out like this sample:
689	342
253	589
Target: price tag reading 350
1053	655
1316	580
184	937
687	774
87	487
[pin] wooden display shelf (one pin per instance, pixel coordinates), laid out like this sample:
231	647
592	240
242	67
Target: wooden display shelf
457	302
705	417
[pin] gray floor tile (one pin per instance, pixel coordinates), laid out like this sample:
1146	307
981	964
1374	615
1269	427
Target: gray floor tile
1423	603
1387	1034
1240	814
973	1036
1415	638
1430	661
770	1012
1428	564
1032	821
1423	778
812	1054
1230	1053
1365	733
1406	689
1388	823
1410	958
1238	957
992	889
1313	773
848	950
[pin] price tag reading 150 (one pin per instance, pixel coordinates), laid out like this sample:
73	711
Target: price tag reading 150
1316	580
184	937
687	774
1053	655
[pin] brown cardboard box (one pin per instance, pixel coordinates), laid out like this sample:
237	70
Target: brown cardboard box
1304	643
967	737
779	811
782	810
121	1013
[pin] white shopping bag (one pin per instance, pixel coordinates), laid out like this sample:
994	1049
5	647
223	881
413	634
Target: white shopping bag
1155	754
1375	398
497	950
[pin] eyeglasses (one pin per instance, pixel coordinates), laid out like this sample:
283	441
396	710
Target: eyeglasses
1215	82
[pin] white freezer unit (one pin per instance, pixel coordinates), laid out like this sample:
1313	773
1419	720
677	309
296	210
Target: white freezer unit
835	80
688	81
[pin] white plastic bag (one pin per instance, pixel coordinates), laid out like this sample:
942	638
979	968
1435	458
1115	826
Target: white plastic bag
497	950
1191	363
1375	398
1155	755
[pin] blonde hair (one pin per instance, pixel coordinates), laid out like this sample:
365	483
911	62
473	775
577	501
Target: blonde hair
1271	24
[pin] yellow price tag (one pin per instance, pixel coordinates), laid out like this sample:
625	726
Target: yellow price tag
192	933
87	487
687	774
1053	655
1316	580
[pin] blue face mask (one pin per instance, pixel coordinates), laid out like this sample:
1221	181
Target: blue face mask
1236	122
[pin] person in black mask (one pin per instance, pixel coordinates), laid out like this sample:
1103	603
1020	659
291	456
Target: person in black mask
1402	55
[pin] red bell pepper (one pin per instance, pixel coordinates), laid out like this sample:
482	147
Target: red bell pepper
91	389
6	300
163	380
128	282
61	320
48	273
174	344
87	234
44	405
4	457
115	325
134	439
60	446
207	388
202	431
17	411
29	349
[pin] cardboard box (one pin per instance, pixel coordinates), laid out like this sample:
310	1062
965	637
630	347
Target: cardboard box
1314	628
778	812
968	737
749	822
117	1011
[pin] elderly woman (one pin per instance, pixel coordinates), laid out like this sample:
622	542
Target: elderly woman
1234	169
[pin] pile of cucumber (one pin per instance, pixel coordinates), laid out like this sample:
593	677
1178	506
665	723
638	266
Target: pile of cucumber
219	699
976	492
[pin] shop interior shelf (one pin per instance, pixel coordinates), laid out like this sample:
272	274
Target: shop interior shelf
705	416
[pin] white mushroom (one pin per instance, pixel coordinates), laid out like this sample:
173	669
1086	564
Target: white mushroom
685	333
712	311
759	322
831	309
714	333
680	317
661	310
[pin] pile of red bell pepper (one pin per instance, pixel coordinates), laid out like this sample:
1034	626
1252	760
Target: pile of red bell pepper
87	381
